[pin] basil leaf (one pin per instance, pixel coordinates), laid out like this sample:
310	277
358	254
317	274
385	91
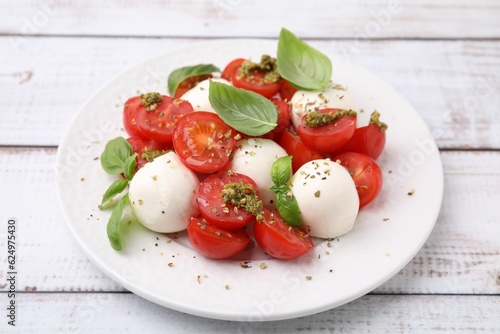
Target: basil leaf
281	170
179	75
246	111
288	207
114	189
302	65
116	152
129	167
113	227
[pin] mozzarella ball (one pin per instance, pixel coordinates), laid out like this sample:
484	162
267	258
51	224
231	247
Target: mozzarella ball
162	194
254	158
327	198
303	102
198	95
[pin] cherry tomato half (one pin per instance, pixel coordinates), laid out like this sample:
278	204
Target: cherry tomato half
366	174
189	83
284	120
158	124
279	239
213	242
329	137
229	70
369	140
296	148
212	206
130	110
255	81
143	146
203	141
287	90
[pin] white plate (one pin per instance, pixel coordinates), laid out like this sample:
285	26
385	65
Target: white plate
387	235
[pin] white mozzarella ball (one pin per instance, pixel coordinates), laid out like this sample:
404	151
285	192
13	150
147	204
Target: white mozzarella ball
327	198
303	102
254	158
198	95
162	194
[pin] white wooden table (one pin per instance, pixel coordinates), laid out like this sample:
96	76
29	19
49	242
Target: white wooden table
444	57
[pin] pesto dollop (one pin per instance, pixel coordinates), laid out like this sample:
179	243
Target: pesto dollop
316	119
267	66
374	119
150	155
151	100
243	196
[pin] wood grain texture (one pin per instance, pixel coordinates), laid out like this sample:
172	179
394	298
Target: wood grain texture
229	18
461	255
454	85
118	313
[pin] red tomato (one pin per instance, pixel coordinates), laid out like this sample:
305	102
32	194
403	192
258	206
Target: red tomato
214	242
369	140
203	141
284	120
213	208
129	116
158	124
287	90
140	146
189	83
257	84
279	239
329	137
255	81
230	68
296	148
366	175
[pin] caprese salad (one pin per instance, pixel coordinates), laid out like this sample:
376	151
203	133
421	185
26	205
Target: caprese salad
270	146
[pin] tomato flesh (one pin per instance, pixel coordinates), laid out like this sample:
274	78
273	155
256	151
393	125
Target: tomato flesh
254	82
189	83
368	140
213	242
140	146
130	111
284	120
203	141
213	208
158	124
279	239
366	174
229	70
296	148
329	137
287	90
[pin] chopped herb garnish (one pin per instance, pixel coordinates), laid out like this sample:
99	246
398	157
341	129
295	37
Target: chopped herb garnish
243	196
317	119
151	100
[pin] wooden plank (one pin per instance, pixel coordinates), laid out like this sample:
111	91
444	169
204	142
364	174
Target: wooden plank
461	256
113	313
260	18
454	85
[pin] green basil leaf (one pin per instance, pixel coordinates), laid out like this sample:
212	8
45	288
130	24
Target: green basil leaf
179	75
281	170
246	111
116	152
114	223
129	168
114	189
288	207
302	65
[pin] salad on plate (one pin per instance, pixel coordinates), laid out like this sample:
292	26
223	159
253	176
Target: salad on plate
266	151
